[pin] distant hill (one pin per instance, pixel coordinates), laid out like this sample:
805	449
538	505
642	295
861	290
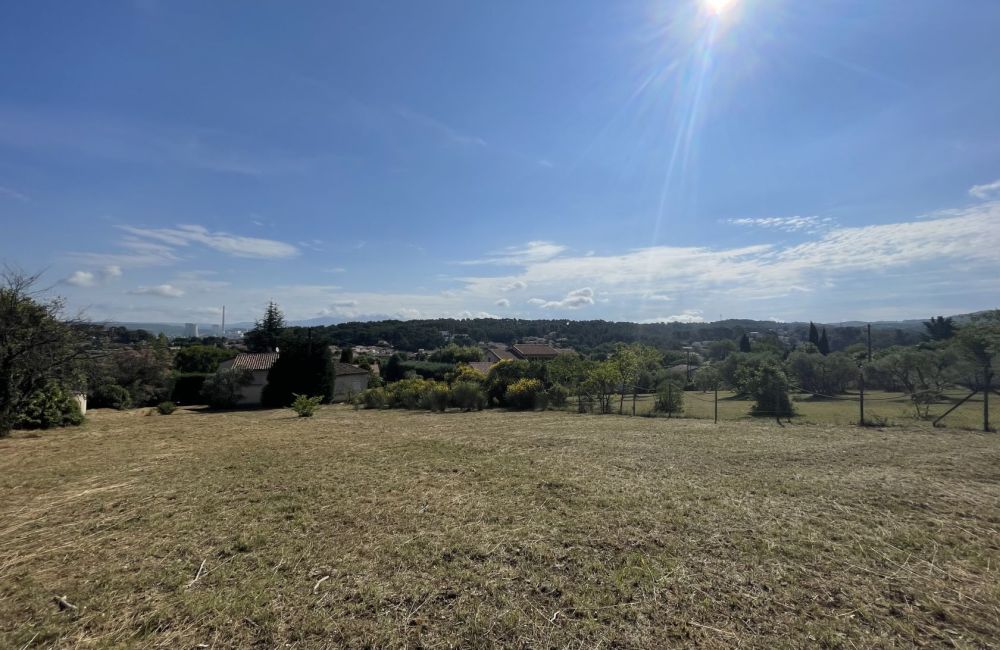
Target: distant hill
588	336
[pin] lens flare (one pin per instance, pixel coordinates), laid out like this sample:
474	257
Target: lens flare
719	7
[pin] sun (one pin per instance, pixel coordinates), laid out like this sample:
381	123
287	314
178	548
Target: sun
719	7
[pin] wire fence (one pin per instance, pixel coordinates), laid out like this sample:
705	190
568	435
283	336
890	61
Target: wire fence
926	407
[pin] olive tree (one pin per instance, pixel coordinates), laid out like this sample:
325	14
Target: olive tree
37	347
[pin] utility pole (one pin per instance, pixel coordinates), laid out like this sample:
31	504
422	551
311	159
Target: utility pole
861	388
716	402
988	377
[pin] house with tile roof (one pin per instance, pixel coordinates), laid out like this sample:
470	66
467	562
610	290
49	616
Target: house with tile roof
349	379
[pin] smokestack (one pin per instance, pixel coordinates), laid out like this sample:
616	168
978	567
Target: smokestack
223	321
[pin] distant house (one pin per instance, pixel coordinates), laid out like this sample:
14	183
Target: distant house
524	351
534	351
493	355
259	363
481	366
350	380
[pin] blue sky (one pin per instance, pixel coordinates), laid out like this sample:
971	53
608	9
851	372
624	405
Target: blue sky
653	160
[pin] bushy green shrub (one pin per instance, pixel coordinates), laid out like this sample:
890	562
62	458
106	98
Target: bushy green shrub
557	395
372	398
669	397
501	376
50	407
188	386
224	389
166	408
464	373
468	396
770	392
110	396
436	398
524	394
306	406
408	393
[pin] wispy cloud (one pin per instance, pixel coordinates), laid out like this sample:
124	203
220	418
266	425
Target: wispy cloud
987	191
440	128
235	245
516	285
786	224
530	253
11	193
161	290
503	302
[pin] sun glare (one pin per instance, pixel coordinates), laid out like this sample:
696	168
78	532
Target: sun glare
719	7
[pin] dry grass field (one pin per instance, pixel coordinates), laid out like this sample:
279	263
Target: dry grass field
411	529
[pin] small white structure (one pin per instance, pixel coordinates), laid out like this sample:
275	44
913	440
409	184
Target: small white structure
348	381
259	363
190	330
81	400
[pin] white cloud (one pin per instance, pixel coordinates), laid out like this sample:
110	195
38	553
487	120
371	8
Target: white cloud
985	191
503	302
94	278
575	299
536	301
161	290
687	316
657	297
516	285
786	224
82	279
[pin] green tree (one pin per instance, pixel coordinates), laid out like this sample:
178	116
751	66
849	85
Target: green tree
719	350
502	375
37	348
201	358
939	328
979	343
669	397
707	378
224	389
813	334
770	392
452	353
347	355
745	343
626	363
824	344
304	367
601	384
266	333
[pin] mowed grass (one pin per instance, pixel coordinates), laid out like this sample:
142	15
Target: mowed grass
393	529
892	409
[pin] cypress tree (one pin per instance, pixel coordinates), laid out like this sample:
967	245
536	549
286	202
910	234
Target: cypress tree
813	334
744	343
305	367
824	344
